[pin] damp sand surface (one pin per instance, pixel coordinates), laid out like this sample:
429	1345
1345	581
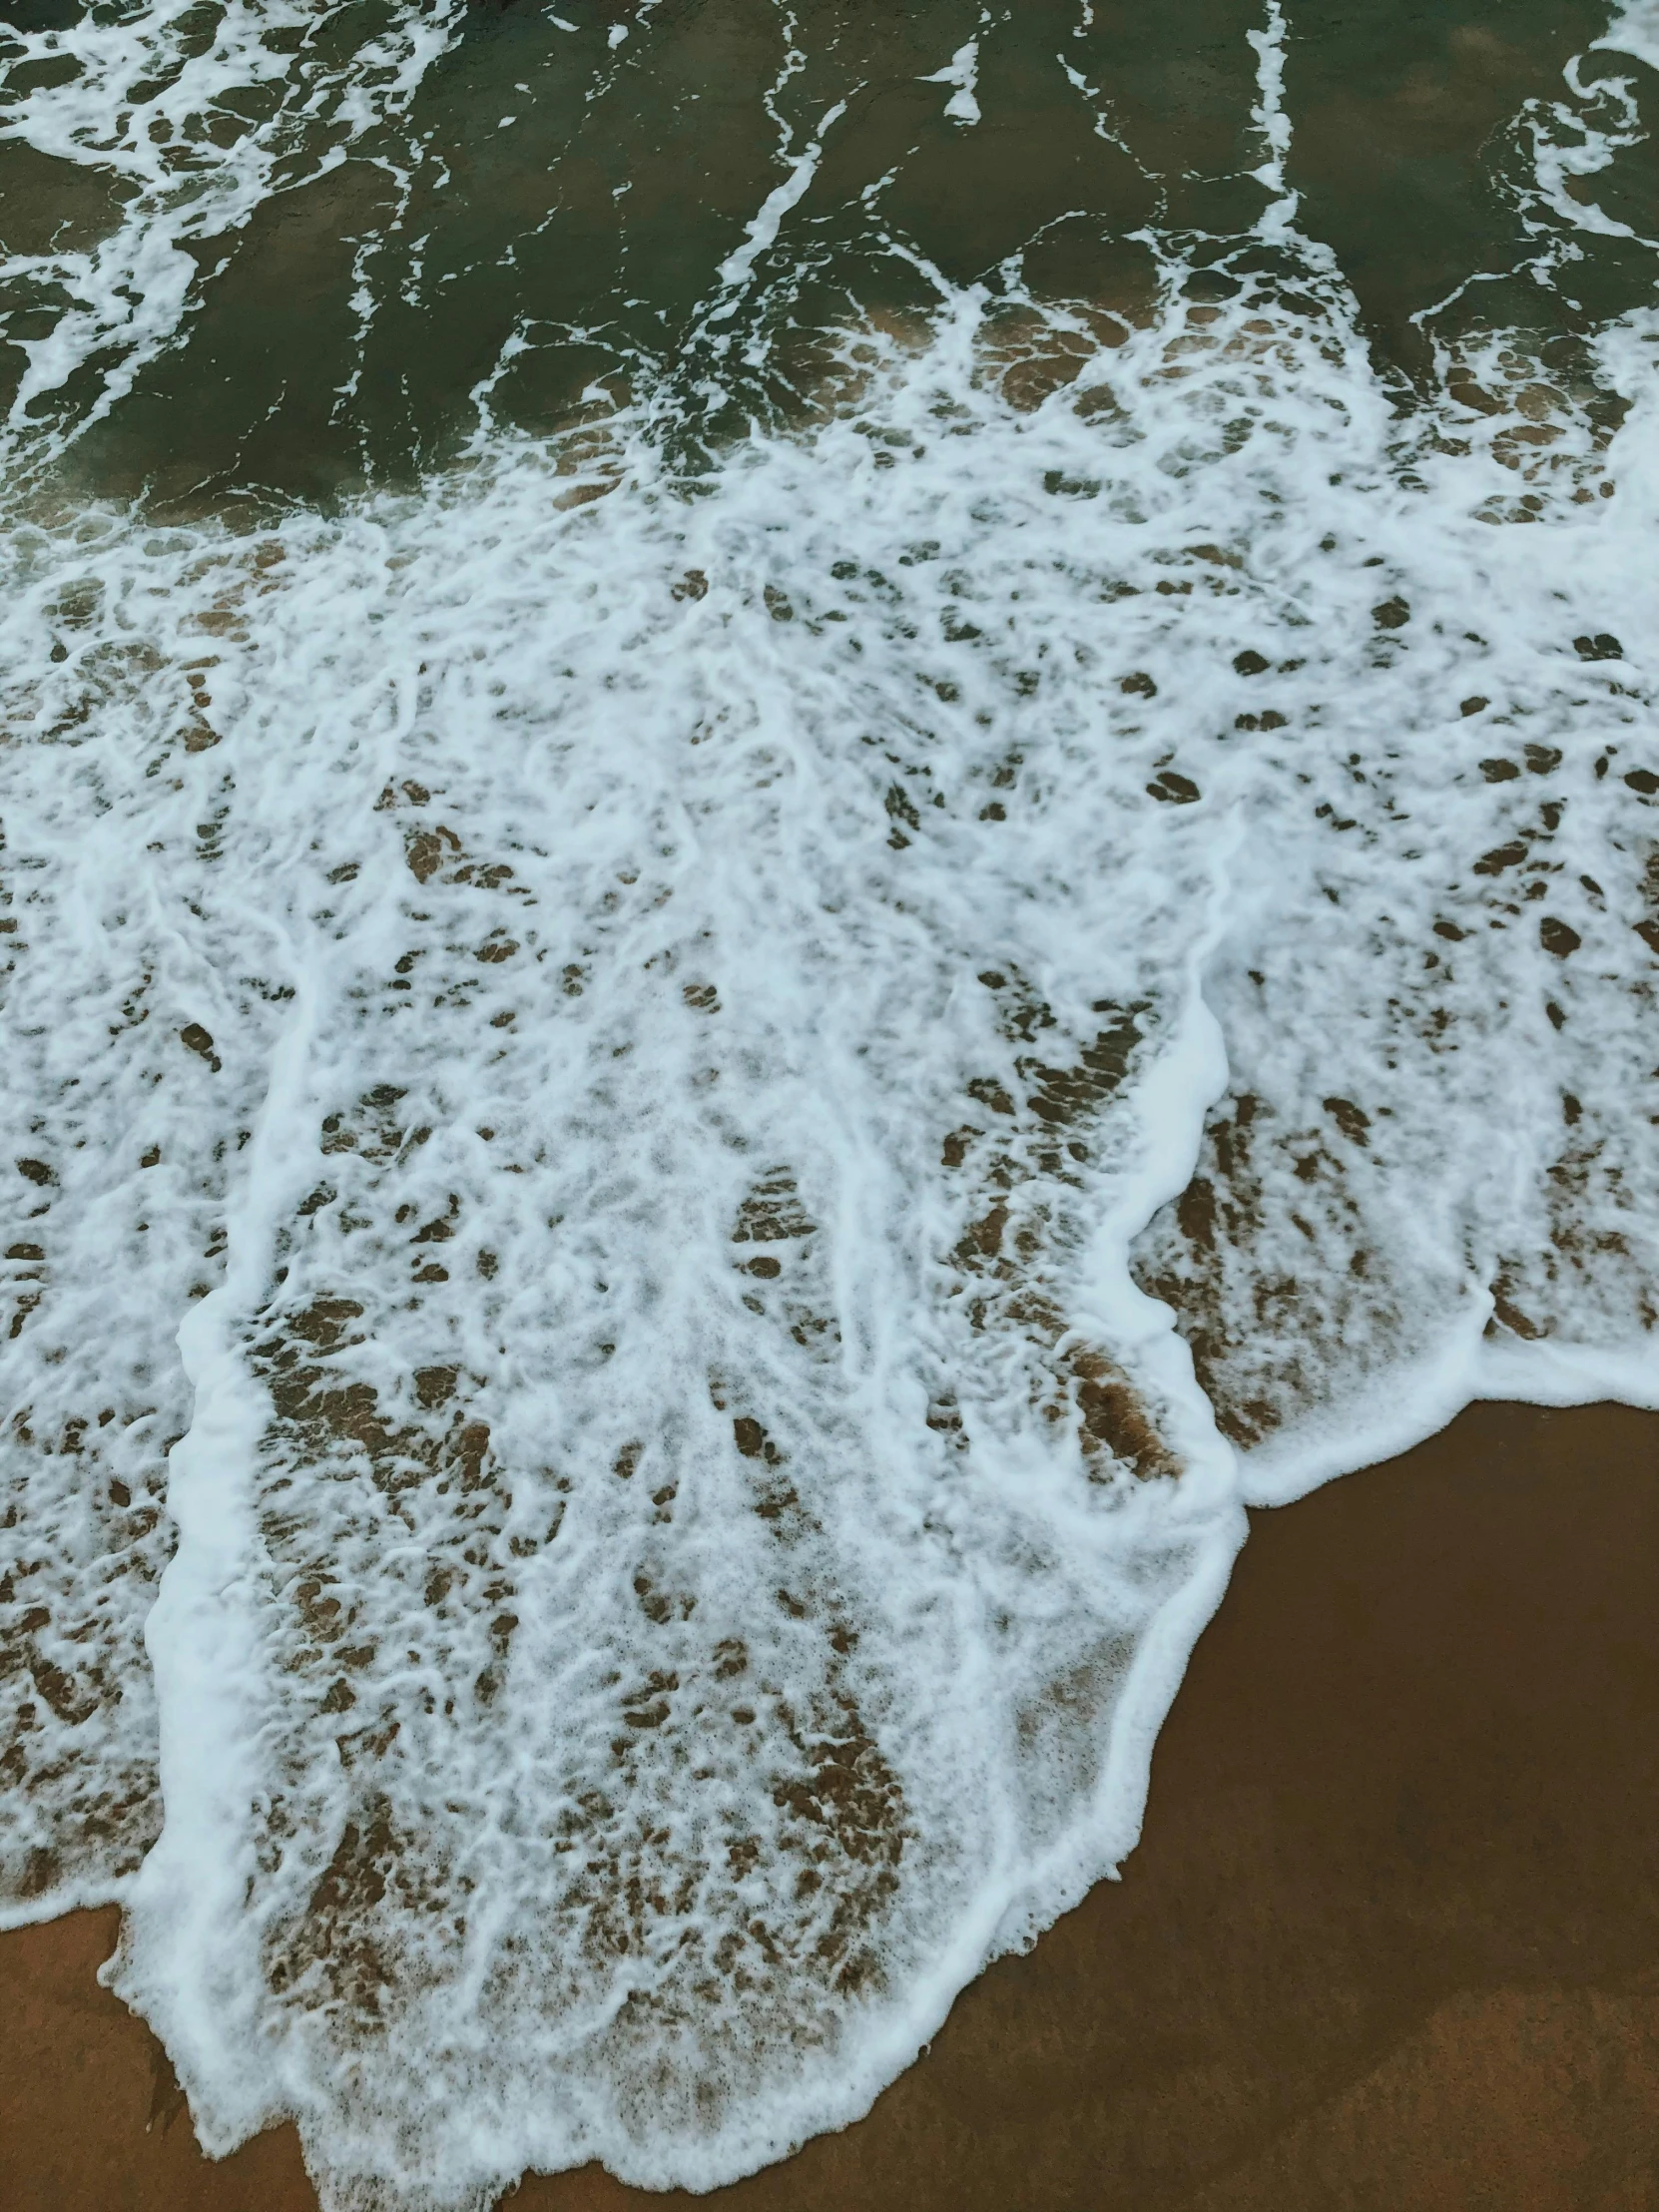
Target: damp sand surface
1390	1940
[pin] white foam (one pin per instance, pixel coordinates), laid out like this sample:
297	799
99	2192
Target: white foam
1634	31
962	73
679	1018
761	233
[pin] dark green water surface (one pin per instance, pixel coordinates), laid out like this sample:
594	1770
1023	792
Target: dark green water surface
338	329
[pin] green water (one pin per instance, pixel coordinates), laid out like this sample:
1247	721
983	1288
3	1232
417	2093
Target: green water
336	335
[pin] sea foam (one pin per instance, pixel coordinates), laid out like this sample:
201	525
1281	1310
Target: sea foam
687	1130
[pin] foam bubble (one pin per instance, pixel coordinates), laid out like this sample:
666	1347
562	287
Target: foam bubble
1634	31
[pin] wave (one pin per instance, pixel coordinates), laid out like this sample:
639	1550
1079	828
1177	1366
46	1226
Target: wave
693	1112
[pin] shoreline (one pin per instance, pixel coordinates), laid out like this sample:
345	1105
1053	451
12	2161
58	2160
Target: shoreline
1389	1938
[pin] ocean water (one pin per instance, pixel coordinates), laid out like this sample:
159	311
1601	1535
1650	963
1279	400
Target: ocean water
811	823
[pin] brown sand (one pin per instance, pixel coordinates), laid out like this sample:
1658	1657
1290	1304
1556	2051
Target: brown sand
1390	1940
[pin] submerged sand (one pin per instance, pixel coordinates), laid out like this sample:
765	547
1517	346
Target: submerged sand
1390	1938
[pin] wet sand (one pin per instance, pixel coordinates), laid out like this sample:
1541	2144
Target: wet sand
1390	1938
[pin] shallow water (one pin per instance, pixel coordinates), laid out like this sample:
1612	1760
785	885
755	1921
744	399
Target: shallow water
809	823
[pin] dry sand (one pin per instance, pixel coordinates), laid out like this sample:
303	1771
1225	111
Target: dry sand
1390	1940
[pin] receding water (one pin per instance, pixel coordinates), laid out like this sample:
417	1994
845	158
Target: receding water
811	822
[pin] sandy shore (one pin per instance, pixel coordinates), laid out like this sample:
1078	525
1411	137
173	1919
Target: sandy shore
1390	1940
